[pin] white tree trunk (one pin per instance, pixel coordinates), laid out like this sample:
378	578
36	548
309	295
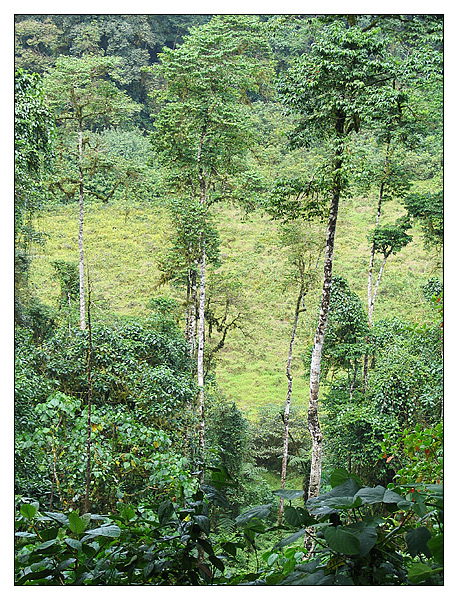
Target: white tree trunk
288	404
374	295
315	367
371	296
80	233
201	323
200	359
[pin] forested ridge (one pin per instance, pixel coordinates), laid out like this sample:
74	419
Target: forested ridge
229	300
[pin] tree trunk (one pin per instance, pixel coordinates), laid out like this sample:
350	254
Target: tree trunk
370	295
371	307
89	406
201	323
80	231
200	361
69	314
288	402
313	420
191	302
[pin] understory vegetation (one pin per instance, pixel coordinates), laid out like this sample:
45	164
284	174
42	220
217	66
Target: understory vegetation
228	300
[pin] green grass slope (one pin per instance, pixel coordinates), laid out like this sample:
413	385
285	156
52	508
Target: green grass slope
121	246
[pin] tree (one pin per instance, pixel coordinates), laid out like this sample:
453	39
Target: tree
179	263
83	96
202	130
346	334
33	159
342	82
428	209
35	43
387	240
303	254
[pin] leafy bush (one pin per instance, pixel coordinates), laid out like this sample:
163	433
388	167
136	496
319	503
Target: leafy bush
149	545
128	459
361	536
418	455
354	432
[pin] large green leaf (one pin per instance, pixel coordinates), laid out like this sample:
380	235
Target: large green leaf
342	539
29	510
165	511
112	531
289	494
290	539
367	536
391	497
59	517
340	579
77	525
417	541
298	517
216	562
436	545
320	504
339	476
76	544
257	511
205	546
418	573
215	496
203	523
230	548
370	495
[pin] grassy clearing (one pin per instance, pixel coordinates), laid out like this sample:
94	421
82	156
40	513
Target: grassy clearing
121	248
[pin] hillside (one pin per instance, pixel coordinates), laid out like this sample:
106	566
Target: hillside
121	249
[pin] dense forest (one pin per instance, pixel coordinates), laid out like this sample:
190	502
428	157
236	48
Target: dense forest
228	236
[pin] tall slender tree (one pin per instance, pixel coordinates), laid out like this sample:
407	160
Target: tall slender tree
84	96
342	82
202	130
303	253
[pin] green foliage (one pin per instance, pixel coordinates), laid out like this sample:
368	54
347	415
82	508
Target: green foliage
122	169
217	137
266	439
143	545
417	455
355	545
433	290
190	221
33	145
346	332
228	435
141	382
353	434
82	91
202	130
129	458
428	209
390	239
407	382
132	365
68	277
33	160
342	82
